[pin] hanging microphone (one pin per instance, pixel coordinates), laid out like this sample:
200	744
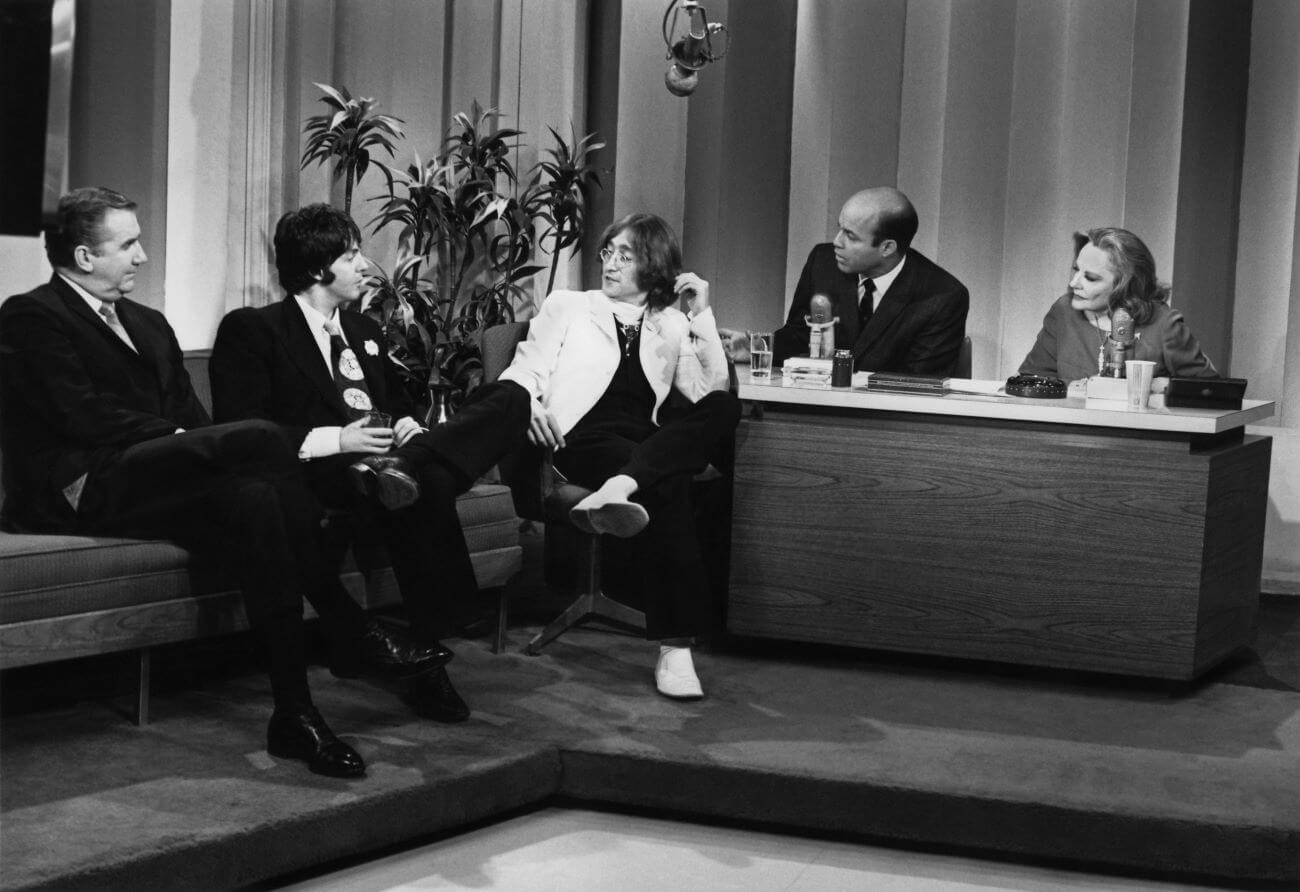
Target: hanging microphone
1119	344
821	327
692	50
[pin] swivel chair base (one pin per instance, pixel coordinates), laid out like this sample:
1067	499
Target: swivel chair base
591	602
588	606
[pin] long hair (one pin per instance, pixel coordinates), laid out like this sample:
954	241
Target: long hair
308	241
658	255
1136	287
77	222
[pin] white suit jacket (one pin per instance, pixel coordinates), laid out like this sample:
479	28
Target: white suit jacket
572	352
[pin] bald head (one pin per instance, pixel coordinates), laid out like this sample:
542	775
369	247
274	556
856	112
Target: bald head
886	212
876	227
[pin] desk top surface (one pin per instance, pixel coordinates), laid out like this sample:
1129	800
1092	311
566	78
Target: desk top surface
997	405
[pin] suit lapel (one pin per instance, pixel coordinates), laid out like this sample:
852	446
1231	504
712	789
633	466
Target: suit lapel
300	345
77	306
657	355
142	336
602	316
891	307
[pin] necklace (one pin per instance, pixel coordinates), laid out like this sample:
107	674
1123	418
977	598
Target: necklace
630	332
1095	320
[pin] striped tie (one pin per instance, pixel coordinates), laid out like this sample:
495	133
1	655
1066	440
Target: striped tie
110	316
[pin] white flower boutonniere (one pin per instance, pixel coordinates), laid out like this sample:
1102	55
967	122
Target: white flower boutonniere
372	348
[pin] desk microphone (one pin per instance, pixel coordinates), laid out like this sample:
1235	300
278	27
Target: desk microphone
1119	345
821	325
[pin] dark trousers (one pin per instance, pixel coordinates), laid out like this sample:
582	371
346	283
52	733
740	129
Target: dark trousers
662	568
425	541
234	495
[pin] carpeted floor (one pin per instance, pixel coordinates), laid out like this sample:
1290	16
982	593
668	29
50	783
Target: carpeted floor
1199	780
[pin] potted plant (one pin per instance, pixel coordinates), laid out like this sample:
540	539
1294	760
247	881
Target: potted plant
348	134
561	200
467	242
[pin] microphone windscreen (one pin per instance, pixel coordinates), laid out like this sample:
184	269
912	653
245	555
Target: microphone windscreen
819	308
1121	326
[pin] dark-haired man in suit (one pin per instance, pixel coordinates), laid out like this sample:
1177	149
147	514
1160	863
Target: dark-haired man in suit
898	310
103	435
319	370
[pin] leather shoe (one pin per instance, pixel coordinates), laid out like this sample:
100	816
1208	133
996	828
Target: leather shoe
433	697
303	734
389	651
386	478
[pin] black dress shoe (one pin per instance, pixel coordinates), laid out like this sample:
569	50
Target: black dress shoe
390	652
303	734
387	479
433	697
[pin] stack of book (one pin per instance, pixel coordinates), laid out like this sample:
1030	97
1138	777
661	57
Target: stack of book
896	382
803	371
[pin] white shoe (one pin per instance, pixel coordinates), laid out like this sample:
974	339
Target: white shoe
611	516
675	674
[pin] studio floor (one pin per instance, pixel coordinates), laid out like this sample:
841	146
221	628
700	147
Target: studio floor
853	753
558	849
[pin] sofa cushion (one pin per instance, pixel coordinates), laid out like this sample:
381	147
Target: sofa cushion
58	575
52	575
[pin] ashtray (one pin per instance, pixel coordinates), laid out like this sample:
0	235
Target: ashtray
1036	387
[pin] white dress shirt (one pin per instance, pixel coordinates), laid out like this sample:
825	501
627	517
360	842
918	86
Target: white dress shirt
320	441
882	283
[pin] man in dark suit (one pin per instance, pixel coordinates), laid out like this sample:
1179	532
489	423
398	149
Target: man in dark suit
103	435
320	372
898	311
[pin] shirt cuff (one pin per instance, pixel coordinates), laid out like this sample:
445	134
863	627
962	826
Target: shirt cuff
320	442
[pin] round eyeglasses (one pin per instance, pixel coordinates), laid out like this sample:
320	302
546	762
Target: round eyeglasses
620	259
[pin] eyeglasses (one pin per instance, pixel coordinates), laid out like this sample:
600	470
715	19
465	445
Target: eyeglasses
620	260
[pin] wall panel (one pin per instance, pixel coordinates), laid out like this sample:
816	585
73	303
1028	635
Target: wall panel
1205	254
845	118
753	185
118	128
205	166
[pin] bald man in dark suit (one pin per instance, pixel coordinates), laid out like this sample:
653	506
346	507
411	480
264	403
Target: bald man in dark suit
898	310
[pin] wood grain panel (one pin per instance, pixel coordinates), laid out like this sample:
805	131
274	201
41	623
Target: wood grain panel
1233	557
123	628
1070	547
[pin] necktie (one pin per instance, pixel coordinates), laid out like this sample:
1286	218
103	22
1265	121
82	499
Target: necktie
868	288
348	377
110	316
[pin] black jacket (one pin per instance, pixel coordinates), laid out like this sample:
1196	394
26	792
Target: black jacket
265	364
73	396
917	329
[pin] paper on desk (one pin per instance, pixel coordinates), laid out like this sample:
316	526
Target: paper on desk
976	385
1155	403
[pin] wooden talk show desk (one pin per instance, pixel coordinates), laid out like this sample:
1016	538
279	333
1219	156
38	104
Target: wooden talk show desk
1059	533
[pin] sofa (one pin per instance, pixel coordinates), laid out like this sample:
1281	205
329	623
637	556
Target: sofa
67	596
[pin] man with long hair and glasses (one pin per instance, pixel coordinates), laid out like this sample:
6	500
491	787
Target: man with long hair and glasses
599	366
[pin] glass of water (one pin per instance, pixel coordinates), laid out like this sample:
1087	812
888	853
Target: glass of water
760	354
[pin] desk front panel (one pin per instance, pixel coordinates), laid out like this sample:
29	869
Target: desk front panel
1109	550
